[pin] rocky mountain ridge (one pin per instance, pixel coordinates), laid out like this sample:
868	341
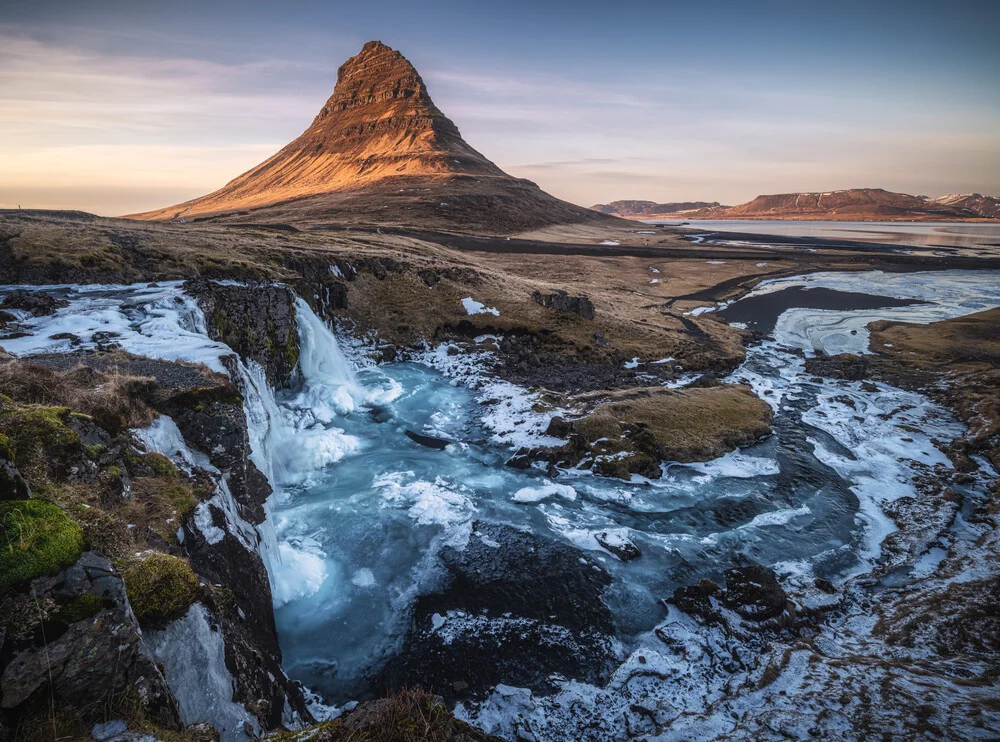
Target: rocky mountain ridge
851	204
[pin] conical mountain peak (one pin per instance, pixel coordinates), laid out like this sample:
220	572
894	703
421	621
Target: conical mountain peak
379	131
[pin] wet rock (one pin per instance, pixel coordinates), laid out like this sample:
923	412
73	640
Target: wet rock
753	592
428	440
380	414
844	366
514	608
618	545
258	322
73	339
212	420
705	381
12	484
38	303
562	302
696	600
5	318
92	647
825	586
242	605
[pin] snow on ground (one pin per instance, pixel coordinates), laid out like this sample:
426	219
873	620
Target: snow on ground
475	307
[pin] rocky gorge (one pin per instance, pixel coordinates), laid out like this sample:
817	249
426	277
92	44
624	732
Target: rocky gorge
148	524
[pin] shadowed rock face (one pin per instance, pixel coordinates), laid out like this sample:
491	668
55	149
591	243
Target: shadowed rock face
514	608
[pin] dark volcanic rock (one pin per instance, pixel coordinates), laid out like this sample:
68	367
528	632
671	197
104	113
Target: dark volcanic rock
562	302
843	366
212	420
754	593
427	440
12	484
624	549
87	649
258	322
751	591
515	609
37	302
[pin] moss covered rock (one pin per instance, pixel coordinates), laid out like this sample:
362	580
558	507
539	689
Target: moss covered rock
160	587
36	539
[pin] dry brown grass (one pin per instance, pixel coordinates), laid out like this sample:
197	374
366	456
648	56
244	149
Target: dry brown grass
115	400
405	716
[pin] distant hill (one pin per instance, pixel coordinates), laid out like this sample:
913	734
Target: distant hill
852	204
380	152
640	209
987	207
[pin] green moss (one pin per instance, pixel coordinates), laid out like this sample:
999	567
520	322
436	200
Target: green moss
81	607
31	431
96	451
114	471
161	465
160	587
36	539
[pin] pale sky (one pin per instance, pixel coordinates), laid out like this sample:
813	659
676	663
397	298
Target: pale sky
115	107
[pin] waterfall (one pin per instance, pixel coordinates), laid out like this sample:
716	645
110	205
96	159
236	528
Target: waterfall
295	437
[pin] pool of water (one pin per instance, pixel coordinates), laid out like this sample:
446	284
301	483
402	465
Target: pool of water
977	235
367	530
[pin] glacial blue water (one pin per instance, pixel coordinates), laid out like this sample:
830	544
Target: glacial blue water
372	523
361	511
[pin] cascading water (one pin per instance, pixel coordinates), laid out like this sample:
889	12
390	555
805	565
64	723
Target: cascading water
360	511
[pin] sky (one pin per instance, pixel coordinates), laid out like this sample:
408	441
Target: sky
116	107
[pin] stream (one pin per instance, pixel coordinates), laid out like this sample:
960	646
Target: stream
361	511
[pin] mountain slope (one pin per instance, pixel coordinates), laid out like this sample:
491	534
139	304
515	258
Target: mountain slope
378	148
987	207
851	204
629	209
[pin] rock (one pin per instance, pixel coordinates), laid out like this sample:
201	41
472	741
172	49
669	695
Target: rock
618	545
5	318
695	600
843	366
73	339
12	484
38	303
212	420
753	592
427	440
514	608
258	322
562	302
93	647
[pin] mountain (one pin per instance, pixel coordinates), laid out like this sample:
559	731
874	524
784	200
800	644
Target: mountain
987	207
633	209
852	204
380	152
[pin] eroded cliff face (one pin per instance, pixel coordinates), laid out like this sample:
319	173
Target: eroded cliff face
127	537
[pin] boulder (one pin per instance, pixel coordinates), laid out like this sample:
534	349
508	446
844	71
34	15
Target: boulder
843	366
92	649
563	302
258	322
753	592
12	484
38	303
514	608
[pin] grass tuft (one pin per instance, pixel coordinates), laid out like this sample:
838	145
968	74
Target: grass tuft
36	539
160	587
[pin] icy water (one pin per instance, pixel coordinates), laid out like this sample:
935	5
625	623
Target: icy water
969	235
361	510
